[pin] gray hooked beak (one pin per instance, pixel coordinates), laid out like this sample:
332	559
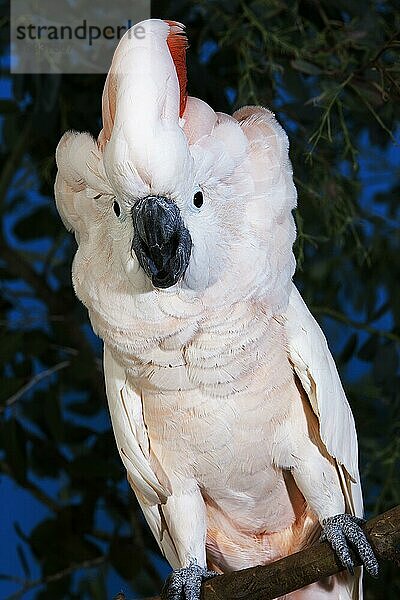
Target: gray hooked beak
161	241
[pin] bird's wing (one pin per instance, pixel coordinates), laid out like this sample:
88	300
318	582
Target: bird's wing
316	370
126	413
274	197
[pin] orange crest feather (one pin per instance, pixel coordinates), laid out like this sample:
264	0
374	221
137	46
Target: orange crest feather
177	45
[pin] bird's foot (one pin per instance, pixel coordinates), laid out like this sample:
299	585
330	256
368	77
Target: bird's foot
185	584
342	529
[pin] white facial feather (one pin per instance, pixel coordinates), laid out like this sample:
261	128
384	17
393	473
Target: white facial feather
241	236
241	239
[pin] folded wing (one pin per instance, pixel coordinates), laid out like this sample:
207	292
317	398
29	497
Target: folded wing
125	407
316	370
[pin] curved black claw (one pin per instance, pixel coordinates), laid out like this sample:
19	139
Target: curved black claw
185	584
342	529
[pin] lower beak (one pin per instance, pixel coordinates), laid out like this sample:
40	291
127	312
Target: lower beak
161	241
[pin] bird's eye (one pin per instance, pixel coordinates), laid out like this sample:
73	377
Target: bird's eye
117	208
198	199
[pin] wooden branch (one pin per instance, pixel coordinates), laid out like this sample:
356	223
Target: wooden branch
58	305
32	382
308	566
40	581
14	159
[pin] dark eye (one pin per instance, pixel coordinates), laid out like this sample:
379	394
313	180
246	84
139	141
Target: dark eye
198	199
117	208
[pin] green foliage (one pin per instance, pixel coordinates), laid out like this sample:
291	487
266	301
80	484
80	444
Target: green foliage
330	71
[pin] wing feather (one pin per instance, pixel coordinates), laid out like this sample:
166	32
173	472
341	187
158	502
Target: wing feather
130	433
316	370
125	406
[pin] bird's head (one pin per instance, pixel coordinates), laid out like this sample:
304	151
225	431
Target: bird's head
168	193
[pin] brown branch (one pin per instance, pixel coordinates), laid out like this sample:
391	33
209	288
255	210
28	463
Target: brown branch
335	314
26	484
58	305
11	165
32	382
303	568
34	583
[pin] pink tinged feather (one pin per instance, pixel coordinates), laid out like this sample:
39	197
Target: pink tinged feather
141	66
213	379
145	149
317	372
80	179
131	437
199	119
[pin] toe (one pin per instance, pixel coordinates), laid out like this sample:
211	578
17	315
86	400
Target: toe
185	583
192	588
337	540
209	574
340	528
172	589
358	538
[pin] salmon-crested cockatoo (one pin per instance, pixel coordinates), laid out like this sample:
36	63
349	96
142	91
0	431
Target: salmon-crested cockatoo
226	404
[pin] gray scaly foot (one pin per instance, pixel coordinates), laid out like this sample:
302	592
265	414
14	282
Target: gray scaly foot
342	529
185	584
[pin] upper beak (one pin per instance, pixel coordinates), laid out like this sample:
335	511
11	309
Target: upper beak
161	241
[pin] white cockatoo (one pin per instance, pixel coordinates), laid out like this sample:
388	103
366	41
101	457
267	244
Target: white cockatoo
226	404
